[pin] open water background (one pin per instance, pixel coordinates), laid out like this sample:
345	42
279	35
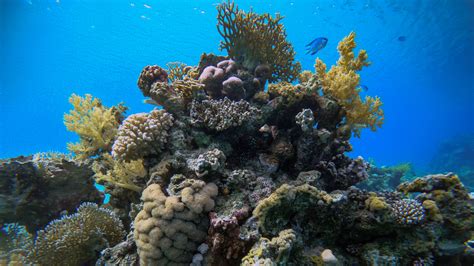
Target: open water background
50	49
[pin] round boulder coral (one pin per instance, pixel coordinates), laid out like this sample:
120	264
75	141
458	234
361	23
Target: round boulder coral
142	134
150	75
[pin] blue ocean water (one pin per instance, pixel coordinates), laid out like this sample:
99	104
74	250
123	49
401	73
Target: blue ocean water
422	53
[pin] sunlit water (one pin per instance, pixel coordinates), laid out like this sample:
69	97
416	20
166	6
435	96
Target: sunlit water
422	54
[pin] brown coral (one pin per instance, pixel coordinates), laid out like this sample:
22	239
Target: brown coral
342	81
142	134
95	124
169	229
253	39
150	75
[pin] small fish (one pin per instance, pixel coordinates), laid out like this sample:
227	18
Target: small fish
363	87
402	38
316	45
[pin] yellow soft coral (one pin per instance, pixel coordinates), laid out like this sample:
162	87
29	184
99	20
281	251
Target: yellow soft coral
342	81
119	173
95	124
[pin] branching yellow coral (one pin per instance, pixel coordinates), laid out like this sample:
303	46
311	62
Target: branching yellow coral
342	81
95	124
119	173
253	39
178	71
291	93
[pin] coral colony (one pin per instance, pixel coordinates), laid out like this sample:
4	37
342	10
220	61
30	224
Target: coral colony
227	172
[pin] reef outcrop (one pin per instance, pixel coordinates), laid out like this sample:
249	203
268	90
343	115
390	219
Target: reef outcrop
245	162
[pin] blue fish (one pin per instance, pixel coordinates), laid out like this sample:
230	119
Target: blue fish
316	45
363	87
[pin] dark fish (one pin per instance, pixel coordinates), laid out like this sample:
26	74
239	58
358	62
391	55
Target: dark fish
316	45
363	87
402	38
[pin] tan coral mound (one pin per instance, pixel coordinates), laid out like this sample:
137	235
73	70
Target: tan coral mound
142	134
169	229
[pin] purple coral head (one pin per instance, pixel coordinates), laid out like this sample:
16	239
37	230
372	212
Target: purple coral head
228	66
211	74
233	87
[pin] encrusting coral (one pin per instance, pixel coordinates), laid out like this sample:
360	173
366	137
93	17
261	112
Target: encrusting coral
95	124
342	83
253	39
169	229
74	239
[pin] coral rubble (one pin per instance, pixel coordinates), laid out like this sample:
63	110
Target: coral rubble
227	172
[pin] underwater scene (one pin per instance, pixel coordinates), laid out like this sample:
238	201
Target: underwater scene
153	132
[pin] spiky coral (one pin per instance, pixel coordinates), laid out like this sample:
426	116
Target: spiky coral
95	124
74	239
254	39
342	81
119	173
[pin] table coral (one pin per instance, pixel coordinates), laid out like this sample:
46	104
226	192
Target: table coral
253	39
169	229
95	124
342	82
142	134
73	239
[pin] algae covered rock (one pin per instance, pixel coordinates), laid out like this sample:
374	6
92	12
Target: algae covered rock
37	189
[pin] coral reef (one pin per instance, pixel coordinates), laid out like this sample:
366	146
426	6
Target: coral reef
455	155
75	239
37	189
95	124
228	173
142	134
169	229
254	39
387	178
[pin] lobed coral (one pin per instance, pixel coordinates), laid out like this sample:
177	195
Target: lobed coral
142	134
253	39
95	124
342	81
169	229
74	239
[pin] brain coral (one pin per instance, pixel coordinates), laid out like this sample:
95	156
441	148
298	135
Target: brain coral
142	134
169	229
